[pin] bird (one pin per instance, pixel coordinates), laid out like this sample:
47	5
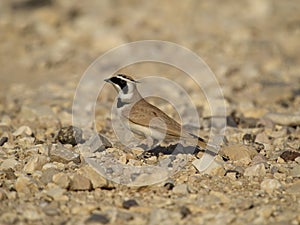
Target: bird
145	119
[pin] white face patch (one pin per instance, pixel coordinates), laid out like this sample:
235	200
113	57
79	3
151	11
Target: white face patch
125	96
130	90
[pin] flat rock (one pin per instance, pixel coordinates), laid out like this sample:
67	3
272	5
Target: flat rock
80	183
180	189
239	152
284	118
97	218
59	153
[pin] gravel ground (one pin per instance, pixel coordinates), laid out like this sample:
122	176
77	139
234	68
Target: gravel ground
251	46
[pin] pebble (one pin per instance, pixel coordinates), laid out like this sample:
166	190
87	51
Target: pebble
284	119
180	189
263	138
279	176
295	171
97	218
61	179
248	139
80	183
98	143
169	186
9	163
31	214
23	131
294	188
248	122
3	140
289	155
56	193
185	211
241	153
96	179
3	195
221	196
70	135
24	185
137	151
52	209
59	153
210	165
163	216
259	158
270	185
257	170
36	162
233	175
48	174
127	204
9	174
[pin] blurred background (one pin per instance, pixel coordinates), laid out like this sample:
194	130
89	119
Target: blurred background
252	46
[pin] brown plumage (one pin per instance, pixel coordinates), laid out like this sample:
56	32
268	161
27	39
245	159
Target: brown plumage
146	119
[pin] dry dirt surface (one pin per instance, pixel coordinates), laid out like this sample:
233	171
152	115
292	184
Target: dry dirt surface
252	46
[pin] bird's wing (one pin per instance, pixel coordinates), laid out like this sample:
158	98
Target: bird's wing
143	112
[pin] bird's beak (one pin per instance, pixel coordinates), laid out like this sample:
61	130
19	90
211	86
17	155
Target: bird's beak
107	80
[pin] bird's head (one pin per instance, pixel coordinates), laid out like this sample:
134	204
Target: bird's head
123	84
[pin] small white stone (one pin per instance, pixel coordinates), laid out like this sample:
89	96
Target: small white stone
257	170
270	185
209	165
23	130
181	189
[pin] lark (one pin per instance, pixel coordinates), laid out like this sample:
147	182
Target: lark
145	119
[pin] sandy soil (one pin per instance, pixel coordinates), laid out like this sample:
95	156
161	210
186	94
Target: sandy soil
252	48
